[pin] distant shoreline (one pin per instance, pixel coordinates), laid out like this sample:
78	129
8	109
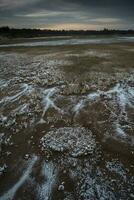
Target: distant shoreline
6	32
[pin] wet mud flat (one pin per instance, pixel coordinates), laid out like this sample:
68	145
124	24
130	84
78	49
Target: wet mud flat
66	122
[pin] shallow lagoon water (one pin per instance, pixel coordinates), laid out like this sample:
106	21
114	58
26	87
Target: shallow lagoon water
72	41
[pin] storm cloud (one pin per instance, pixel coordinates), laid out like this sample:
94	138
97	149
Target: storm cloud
67	14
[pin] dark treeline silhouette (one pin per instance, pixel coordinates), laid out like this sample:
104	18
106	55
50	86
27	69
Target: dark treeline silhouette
27	33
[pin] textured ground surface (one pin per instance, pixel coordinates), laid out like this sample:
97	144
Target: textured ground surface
66	122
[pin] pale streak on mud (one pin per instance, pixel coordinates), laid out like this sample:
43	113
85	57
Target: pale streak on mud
48	102
26	89
9	195
98	54
124	96
3	83
49	172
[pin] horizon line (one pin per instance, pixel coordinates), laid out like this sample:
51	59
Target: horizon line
51	29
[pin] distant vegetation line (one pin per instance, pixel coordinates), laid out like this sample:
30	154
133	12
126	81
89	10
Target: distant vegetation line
27	33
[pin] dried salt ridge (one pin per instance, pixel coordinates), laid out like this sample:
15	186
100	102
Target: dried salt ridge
76	141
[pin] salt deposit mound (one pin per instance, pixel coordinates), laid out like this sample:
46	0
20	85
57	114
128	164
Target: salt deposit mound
76	141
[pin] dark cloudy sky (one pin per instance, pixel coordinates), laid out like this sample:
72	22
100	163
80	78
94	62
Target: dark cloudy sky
67	14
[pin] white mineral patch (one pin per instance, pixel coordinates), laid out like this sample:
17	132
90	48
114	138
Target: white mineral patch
3	118
73	54
91	97
117	167
9	195
26	89
3	168
94	95
76	141
97	54
21	109
48	100
47	95
78	106
49	172
120	132
122	95
3	83
91	53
